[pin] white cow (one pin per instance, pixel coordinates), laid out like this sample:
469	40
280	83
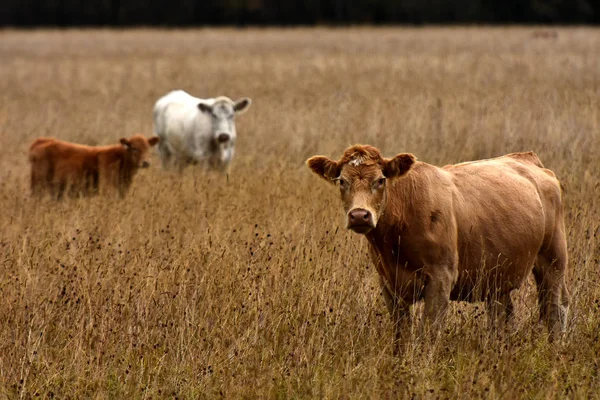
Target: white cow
196	131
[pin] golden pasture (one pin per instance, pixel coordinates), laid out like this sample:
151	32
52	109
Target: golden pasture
248	286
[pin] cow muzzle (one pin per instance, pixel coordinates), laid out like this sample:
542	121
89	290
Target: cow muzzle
360	220
145	164
223	137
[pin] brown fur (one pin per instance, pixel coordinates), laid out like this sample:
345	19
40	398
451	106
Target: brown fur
471	231
58	166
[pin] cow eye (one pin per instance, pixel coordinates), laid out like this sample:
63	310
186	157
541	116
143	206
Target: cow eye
380	182
343	183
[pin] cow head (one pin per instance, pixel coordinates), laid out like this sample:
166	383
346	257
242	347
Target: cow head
363	177
138	149
222	113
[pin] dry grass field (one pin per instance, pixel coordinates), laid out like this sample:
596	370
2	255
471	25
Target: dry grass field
202	286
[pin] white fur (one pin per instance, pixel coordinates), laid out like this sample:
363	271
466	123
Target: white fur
358	160
189	135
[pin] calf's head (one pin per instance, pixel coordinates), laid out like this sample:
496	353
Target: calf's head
222	113
362	175
138	149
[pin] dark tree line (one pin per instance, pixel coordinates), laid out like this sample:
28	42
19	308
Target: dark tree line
292	12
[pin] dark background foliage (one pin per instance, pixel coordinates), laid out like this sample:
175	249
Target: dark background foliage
293	12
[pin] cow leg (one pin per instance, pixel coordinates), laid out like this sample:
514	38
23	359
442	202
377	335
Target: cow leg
124	188
90	183
182	166
165	154
500	309
549	272
96	182
36	183
400	313
440	280
60	189
41	177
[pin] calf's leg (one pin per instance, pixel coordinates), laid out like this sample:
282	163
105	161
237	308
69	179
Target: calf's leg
37	184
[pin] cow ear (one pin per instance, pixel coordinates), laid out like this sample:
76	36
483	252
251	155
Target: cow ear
324	167
398	165
153	140
125	143
241	105
204	107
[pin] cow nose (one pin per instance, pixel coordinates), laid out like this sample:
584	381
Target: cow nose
145	164
360	220
223	137
360	216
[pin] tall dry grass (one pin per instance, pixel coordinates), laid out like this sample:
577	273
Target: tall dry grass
201	286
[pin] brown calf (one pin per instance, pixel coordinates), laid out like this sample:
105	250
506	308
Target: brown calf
57	166
471	231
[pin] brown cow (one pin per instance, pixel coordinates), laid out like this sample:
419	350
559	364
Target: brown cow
58	165
471	231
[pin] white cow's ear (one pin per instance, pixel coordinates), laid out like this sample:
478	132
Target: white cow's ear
241	105
125	143
204	107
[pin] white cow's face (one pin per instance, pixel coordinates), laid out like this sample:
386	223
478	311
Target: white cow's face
222	113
